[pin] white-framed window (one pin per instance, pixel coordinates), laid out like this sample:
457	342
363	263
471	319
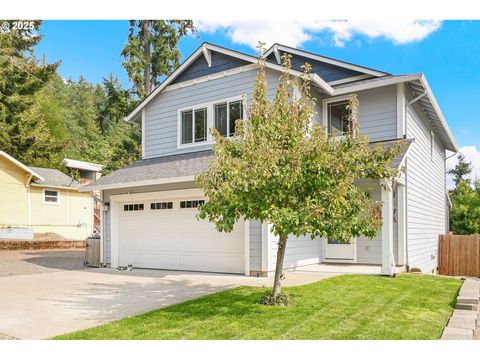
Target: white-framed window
195	122
193	126
336	115
51	196
225	116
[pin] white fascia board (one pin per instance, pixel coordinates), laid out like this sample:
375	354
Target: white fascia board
375	84
325	60
123	185
54	186
435	105
19	164
208	48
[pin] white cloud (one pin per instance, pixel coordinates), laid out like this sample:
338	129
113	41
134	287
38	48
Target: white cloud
472	154
295	33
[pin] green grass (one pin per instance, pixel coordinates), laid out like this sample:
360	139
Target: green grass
342	307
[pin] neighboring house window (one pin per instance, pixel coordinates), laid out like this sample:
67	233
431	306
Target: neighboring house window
191	204
338	117
51	197
133	207
226	115
194	126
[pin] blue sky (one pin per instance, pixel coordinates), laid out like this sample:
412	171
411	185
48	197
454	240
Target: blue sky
447	52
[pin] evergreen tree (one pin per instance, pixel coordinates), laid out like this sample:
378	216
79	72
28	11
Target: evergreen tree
152	51
462	169
24	133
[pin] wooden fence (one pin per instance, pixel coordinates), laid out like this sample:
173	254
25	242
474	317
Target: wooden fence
459	255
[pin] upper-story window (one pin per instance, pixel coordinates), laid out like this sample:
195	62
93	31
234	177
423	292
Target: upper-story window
194	126
226	115
338	117
194	122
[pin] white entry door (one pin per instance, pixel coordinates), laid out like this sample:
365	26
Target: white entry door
336	250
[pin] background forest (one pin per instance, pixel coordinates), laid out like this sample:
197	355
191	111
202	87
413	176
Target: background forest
44	118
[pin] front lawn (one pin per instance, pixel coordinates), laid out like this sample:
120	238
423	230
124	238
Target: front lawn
342	307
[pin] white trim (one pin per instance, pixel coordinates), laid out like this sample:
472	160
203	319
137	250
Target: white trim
102	228
114	205
83	165
247	247
325	60
277	54
48	202
327	101
19	164
342	261
29	207
155	195
314	77
377	83
265	248
349	79
160	181
54	186
401	111
402	222
66	207
143	133
387	228
208	55
215	76
210	107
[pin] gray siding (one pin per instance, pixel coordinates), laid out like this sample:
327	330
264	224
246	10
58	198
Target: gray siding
426	217
377	113
220	62
255	245
327	72
300	251
161	113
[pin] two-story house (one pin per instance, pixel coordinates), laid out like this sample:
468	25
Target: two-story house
150	212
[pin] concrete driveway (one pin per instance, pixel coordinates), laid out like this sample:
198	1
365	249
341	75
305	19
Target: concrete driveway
60	299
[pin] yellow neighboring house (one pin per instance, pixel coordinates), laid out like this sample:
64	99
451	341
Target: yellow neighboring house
42	200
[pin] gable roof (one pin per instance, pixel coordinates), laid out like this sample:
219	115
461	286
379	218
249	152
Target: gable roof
421	92
205	50
29	170
54	178
362	69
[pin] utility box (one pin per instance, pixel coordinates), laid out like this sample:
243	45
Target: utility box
92	252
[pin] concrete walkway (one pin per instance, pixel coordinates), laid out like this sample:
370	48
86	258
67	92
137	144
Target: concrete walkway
465	321
42	305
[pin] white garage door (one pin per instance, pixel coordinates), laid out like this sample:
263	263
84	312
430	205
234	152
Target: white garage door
164	233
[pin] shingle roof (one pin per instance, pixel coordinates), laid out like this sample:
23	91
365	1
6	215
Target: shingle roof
156	168
404	146
54	178
183	165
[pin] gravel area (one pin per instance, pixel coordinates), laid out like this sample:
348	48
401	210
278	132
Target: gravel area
23	262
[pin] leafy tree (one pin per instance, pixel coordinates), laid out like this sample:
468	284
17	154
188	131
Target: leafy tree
283	169
465	212
462	169
152	51
24	132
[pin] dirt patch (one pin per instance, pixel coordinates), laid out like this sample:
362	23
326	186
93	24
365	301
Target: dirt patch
41	245
14	262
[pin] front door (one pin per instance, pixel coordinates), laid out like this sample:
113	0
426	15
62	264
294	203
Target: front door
337	251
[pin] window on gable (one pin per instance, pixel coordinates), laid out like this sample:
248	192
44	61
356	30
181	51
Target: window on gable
194	126
226	115
51	197
338	115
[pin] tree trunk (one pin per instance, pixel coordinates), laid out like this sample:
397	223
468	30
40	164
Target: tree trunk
277	283
147	56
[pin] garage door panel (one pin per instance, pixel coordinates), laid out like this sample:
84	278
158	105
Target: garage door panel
176	239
